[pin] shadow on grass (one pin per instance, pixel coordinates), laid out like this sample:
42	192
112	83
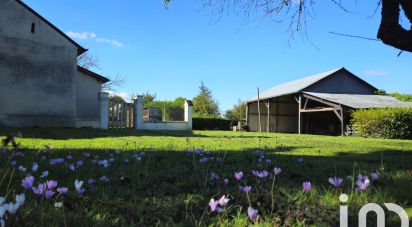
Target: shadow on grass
85	133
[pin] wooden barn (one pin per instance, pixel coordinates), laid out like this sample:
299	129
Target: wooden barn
318	104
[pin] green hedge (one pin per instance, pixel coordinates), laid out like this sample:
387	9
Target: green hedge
392	123
211	124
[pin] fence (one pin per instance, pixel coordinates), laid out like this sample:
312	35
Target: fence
121	115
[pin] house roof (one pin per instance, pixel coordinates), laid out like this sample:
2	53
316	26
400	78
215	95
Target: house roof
298	85
93	74
80	49
358	101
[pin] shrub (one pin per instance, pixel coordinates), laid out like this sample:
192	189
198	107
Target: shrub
392	123
211	124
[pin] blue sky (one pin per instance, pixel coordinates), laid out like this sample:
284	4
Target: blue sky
169	52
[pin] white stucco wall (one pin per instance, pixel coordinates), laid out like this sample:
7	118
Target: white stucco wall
87	97
37	71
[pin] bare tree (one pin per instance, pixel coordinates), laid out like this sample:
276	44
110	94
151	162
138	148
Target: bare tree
390	32
115	83
89	61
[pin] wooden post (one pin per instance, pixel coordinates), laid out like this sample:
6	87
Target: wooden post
299	115
260	123
277	114
268	119
117	115
111	109
342	122
130	115
247	113
121	115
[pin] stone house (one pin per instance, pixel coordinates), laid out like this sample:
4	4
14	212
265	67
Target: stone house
41	84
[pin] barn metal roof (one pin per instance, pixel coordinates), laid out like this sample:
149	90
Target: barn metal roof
293	86
361	101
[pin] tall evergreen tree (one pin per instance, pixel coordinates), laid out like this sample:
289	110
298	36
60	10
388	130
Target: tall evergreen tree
203	104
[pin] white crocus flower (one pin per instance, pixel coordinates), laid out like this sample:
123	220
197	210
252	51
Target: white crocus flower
35	167
20	199
78	184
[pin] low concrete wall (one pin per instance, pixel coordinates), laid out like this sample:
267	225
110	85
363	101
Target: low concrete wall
140	124
171	125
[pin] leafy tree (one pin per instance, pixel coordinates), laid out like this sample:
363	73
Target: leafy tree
116	99
238	112
171	110
203	104
381	92
147	97
390	32
400	96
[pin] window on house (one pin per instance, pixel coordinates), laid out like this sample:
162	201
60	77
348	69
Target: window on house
33	27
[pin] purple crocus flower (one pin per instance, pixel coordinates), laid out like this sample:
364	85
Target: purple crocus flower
62	191
13	163
56	161
301	160
203	160
81	191
362	183
214	176
374	176
307	186
223	201
246	189
48	194
90	181
104	179
27	183
79	163
335	181
238	175
51	184
213	204
69	157
41	188
259	152
252	213
277	170
226	181
262	174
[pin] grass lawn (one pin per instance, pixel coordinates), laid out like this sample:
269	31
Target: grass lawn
168	178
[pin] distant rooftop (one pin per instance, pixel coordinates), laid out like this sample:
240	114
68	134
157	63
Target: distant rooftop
294	86
361	101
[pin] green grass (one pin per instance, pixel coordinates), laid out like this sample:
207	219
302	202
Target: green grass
170	187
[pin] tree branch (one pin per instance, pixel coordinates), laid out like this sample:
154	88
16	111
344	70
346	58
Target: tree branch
390	31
